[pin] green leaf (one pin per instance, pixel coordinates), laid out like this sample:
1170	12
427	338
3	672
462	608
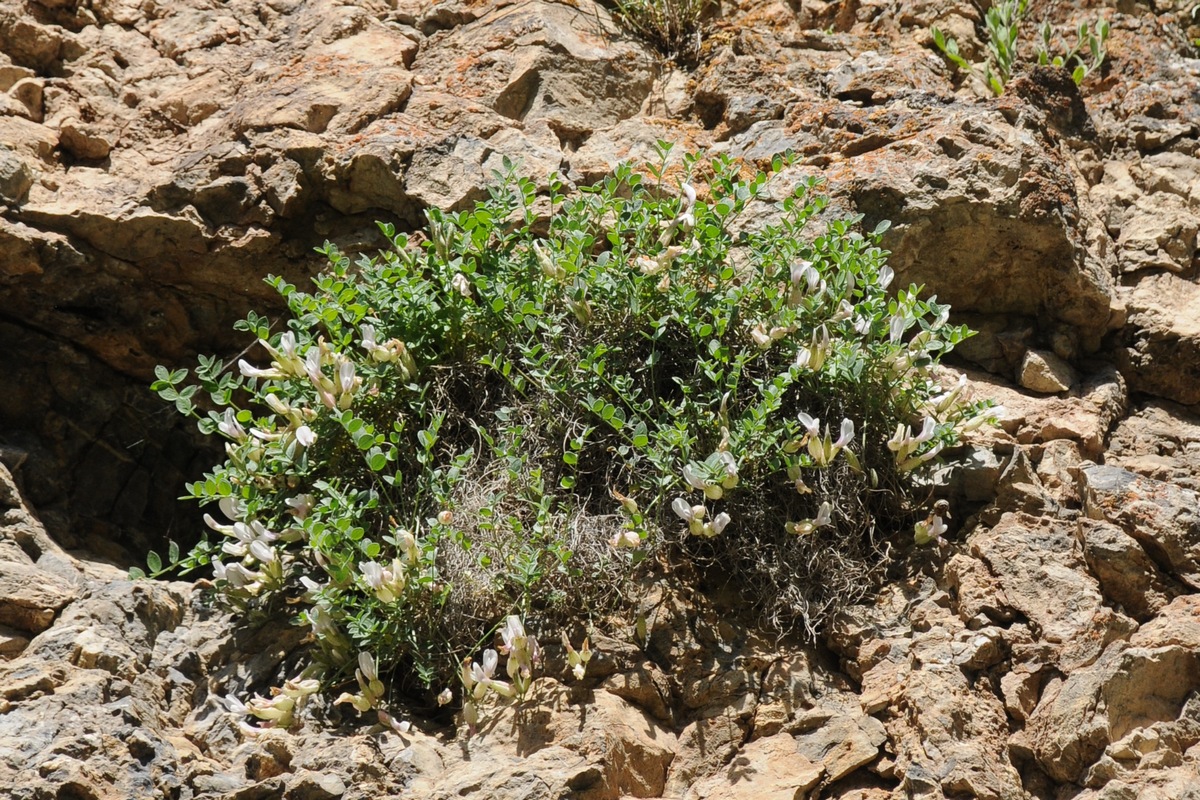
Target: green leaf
154	562
172	551
376	460
641	435
136	573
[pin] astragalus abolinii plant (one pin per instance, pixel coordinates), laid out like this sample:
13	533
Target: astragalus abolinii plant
489	428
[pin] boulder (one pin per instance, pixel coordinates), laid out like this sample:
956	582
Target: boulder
1144	684
1163	518
1127	575
1160	232
770	767
1160	441
1161	342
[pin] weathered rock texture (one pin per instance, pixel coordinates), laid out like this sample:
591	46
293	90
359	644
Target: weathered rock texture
158	159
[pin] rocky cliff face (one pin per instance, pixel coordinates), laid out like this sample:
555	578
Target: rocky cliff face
157	160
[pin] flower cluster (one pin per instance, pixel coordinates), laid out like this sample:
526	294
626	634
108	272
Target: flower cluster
370	688
479	677
276	711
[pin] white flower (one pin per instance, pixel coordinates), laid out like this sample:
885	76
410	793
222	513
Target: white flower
482	677
366	663
847	433
232	507
805	281
445	696
577	660
628	539
824	517
689	195
230	426
942	403
513	633
263	552
649	266
233	705
547	264
387	720
218	527
299	689
726	461
695	515
306	437
885	277
904	444
346	380
980	418
823	449
686	511
692	478
324	386
460	284
811	424
813	356
844	312
285	358
522	651
250	371
386	582
929	530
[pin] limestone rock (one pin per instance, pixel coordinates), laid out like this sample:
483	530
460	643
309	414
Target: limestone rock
30	598
842	745
1045	372
1160	441
1145	684
905	649
600	745
1161	355
1058	468
1174	172
945	224
543	61
1163	518
770	767
1127	575
84	141
1037	565
1160	232
15	177
1084	415
705	747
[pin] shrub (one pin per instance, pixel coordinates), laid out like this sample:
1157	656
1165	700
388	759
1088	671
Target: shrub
1003	21
671	26
500	420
